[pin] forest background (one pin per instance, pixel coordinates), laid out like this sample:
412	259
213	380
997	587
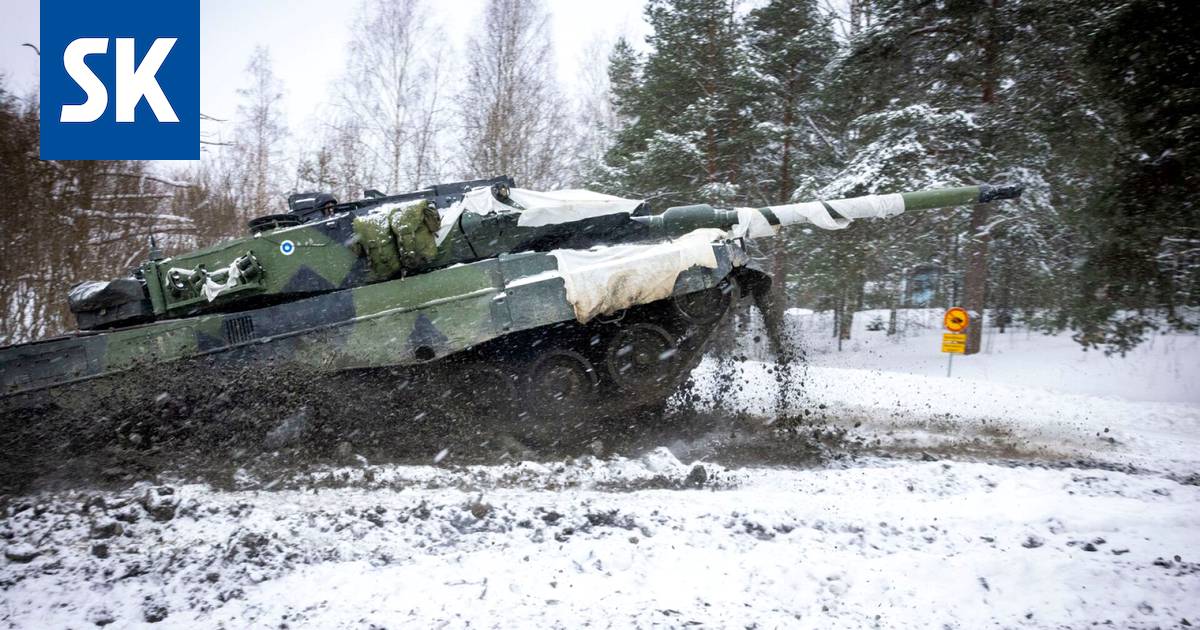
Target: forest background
1092	105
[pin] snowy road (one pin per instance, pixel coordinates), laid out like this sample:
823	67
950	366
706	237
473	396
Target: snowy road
984	504
879	544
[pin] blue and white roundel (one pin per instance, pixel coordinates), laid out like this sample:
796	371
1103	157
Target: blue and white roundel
287	248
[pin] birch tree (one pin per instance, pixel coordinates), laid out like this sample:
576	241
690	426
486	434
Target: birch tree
392	92
514	118
596	113
260	135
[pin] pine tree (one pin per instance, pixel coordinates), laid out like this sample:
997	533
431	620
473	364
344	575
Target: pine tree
937	94
791	42
625	79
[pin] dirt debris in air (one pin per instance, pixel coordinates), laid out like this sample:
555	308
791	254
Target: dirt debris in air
133	427
119	431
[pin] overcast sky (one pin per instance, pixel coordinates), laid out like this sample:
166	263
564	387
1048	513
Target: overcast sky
307	42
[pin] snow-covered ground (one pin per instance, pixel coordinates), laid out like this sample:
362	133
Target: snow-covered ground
1166	368
1032	489
919	545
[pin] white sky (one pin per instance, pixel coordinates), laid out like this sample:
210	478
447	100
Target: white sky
307	43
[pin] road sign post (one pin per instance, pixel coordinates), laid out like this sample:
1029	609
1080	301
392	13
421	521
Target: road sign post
954	342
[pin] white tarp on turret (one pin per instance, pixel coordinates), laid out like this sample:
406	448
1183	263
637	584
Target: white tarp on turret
539	208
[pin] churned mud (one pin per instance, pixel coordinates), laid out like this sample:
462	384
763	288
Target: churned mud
286	419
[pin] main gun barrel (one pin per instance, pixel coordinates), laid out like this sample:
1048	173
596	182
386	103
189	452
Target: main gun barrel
832	214
837	213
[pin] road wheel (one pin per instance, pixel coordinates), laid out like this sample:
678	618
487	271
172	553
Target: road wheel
702	308
560	386
642	359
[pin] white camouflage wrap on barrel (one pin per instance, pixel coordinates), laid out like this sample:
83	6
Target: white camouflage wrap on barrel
815	212
751	223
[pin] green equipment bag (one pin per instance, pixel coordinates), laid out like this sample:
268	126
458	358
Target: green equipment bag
416	227
400	239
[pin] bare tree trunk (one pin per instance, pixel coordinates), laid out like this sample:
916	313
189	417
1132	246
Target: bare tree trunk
785	160
976	278
847	319
839	318
779	302
895	297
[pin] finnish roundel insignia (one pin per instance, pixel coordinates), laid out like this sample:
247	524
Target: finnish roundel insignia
287	248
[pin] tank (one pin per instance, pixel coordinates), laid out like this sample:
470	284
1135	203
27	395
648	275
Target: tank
511	303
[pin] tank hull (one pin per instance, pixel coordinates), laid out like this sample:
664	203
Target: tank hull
390	370
408	321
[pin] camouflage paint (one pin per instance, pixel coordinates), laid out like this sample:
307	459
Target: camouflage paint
339	318
323	258
399	322
940	198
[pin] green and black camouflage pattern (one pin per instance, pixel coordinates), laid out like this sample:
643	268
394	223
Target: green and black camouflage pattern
313	294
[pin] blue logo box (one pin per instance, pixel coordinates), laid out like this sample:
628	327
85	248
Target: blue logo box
114	86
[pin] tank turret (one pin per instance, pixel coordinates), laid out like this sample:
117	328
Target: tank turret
309	252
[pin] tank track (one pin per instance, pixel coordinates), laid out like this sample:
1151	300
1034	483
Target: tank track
568	381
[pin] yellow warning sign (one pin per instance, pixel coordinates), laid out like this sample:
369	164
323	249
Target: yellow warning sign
956	343
956	319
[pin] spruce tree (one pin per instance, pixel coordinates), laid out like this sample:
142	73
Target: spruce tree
952	93
790	43
689	130
1143	270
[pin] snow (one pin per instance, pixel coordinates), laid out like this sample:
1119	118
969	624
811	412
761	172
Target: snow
906	412
1039	487
1165	369
881	545
105	214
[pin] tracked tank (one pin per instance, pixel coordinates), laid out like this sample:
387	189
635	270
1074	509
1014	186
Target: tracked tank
535	308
